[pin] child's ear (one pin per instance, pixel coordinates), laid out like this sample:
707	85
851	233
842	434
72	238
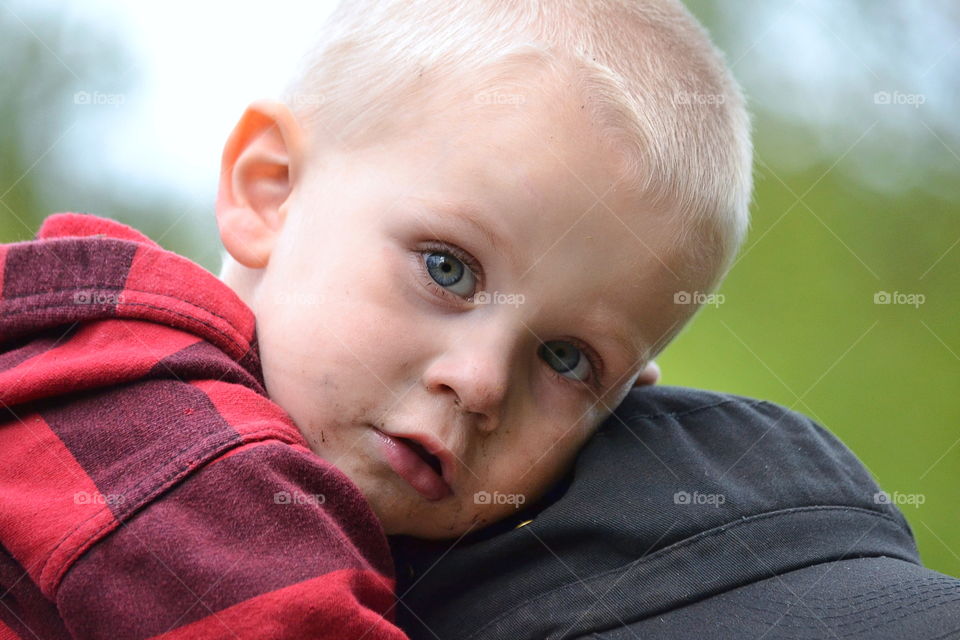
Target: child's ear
649	376
261	162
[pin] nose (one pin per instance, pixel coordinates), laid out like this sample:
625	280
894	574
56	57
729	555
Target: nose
475	376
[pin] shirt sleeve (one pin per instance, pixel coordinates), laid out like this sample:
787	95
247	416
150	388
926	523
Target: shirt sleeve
265	541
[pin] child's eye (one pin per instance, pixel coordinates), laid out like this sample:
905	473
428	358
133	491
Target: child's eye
451	270
566	358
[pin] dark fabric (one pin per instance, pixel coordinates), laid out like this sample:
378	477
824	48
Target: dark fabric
683	518
863	598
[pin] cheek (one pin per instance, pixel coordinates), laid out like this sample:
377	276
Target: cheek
339	338
360	312
527	465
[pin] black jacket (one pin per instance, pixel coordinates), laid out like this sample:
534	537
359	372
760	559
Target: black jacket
689	514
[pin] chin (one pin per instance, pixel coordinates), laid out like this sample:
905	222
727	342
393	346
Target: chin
403	525
442	530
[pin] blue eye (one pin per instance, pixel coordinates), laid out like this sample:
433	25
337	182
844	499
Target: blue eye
566	358
450	272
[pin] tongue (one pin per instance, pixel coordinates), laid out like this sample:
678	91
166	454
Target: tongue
425	455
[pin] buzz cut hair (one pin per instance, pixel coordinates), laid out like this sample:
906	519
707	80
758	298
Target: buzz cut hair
647	73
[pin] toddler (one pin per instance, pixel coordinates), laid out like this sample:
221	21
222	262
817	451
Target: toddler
452	248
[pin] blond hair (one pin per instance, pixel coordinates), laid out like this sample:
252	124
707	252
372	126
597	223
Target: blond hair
646	70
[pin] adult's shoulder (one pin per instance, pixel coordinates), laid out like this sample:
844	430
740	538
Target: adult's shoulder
686	510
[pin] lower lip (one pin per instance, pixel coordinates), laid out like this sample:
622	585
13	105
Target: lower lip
412	468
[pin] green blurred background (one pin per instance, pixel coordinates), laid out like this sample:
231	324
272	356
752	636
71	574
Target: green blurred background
855	195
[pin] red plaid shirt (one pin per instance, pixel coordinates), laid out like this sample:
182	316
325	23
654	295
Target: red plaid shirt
148	486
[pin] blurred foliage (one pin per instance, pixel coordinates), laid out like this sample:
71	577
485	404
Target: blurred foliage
45	62
798	326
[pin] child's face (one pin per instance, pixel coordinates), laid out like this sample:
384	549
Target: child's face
364	326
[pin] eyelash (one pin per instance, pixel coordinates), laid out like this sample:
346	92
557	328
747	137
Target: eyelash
596	363
596	366
456	252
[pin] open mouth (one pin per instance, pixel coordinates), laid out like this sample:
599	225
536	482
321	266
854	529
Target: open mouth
410	460
425	455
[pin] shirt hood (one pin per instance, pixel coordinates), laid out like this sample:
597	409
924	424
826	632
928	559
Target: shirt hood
81	268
